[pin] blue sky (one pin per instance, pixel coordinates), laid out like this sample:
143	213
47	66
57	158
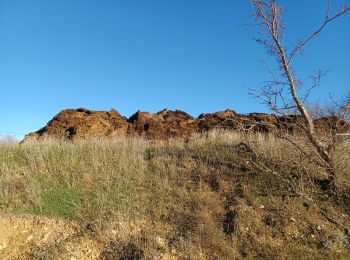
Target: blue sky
148	55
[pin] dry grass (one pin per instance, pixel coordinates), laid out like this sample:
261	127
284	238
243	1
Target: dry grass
208	197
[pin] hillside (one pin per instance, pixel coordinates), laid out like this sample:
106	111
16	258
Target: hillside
208	197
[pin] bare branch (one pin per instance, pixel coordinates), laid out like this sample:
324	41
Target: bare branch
316	79
328	19
268	16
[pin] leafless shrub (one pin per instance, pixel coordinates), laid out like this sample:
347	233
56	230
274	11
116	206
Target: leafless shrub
317	135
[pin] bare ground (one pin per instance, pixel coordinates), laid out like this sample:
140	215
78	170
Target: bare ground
27	236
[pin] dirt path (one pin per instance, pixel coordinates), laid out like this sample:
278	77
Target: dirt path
31	237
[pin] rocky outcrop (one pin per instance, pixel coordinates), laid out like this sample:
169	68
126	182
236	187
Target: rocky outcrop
78	124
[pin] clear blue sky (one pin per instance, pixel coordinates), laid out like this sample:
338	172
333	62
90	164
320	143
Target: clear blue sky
148	55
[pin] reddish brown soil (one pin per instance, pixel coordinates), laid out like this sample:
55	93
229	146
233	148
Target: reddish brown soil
82	123
163	124
77	124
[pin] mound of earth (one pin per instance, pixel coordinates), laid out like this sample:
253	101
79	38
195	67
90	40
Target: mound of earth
77	124
227	119
163	124
72	124
331	124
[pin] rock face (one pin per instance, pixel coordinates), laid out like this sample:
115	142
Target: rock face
77	124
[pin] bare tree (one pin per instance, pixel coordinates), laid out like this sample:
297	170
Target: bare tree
282	94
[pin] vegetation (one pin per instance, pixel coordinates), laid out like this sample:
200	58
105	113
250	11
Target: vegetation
210	196
283	94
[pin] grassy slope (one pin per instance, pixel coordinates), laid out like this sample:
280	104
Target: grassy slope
206	198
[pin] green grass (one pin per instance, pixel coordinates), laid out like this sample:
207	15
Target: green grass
60	201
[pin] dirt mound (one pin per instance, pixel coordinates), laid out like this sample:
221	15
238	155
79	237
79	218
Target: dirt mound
229	119
76	124
72	124
163	124
262	122
331	124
